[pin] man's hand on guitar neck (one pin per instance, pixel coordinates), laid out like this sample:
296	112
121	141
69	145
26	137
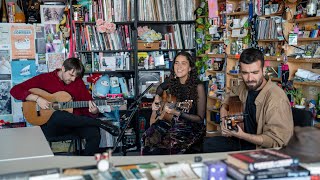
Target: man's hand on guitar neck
93	108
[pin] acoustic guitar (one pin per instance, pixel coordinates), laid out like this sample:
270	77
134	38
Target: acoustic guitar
170	101
59	101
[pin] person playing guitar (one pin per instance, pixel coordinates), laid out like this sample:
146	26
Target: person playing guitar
82	121
177	117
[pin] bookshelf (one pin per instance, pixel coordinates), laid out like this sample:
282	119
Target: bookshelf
211	54
177	30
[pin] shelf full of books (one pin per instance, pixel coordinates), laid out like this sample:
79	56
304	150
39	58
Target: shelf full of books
166	10
109	10
89	37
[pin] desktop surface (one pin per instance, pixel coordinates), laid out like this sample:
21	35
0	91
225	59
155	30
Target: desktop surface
23	143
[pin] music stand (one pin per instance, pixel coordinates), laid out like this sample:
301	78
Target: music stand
133	108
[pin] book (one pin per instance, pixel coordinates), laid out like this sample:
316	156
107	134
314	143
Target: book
260	159
282	172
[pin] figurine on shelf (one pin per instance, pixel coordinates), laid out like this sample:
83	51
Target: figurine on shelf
312	107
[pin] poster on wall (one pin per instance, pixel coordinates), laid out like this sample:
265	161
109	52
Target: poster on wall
5	34
42	63
5	67
22	42
54	61
17	111
54	40
6	118
22	70
52	14
5	98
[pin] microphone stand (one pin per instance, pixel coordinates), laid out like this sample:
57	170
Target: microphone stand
133	108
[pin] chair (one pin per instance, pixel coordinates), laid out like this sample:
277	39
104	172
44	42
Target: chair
302	117
75	142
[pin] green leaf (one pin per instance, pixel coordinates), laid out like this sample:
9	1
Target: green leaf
199	11
207	26
199	41
206	47
207	37
199	30
200	21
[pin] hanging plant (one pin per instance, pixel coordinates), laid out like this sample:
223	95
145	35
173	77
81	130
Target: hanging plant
207	37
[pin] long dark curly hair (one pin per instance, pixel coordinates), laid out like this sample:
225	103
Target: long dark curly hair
191	84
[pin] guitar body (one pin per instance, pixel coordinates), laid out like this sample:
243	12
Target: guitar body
170	101
167	100
235	114
41	116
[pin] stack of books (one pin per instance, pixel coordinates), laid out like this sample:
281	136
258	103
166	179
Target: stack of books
264	164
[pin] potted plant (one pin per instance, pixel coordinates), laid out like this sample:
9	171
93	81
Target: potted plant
298	98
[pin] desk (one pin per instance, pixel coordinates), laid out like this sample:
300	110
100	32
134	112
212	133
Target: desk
22	143
78	161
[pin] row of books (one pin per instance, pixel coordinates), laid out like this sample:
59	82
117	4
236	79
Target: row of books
108	10
87	38
267	29
177	38
166	10
264	164
106	61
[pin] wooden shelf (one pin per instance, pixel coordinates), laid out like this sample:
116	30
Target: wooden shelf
309	39
213	110
217	55
110	72
165	22
271	15
103	51
276	79
157	69
213	71
273	58
304	60
215	41
212	55
233	74
317	18
233	56
238	13
269	40
118	23
307	83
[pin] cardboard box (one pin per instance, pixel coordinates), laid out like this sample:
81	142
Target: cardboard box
142	45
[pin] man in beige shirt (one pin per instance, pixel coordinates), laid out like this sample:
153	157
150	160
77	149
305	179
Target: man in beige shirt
268	119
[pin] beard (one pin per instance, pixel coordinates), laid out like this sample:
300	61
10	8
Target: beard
253	85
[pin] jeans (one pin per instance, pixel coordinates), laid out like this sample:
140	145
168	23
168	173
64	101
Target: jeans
224	144
64	123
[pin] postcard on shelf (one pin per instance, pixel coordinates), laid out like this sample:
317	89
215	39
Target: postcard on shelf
107	63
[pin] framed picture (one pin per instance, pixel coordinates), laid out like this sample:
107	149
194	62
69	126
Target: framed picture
164	44
51	14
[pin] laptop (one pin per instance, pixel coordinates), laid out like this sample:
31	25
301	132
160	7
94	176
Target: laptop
23	143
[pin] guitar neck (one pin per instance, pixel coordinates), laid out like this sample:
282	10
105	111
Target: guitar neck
81	104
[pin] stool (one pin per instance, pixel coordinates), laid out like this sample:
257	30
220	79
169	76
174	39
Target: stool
75	141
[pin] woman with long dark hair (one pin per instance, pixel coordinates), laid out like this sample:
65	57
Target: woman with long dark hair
176	135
